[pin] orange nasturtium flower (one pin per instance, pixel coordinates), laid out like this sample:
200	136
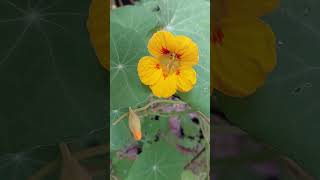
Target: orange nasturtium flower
170	68
243	46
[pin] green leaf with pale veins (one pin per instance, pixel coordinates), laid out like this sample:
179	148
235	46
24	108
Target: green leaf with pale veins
53	88
129	28
135	18
120	134
159	161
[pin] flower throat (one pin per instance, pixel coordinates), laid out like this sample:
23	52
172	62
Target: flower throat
170	62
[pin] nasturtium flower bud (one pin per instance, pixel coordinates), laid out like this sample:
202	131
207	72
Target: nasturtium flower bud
135	125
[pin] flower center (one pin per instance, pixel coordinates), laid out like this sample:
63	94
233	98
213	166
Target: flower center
170	62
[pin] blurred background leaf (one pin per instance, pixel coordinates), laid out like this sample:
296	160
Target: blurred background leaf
284	113
53	88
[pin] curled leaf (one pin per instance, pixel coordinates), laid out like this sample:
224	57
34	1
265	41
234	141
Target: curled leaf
134	124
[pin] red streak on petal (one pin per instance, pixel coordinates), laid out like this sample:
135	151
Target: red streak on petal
165	51
178	72
178	56
158	66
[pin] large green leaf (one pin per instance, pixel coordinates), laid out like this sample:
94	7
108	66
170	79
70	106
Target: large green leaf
159	161
127	46
284	113
52	85
130	26
191	18
135	18
120	136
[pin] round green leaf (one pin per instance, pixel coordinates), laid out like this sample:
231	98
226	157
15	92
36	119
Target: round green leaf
126	48
159	161
135	18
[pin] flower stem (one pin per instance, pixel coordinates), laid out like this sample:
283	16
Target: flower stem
146	107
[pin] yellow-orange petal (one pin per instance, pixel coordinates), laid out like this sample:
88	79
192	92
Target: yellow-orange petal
165	87
135	124
186	79
97	26
161	43
246	56
149	70
187	51
238	8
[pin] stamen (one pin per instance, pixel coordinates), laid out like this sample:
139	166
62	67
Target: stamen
170	63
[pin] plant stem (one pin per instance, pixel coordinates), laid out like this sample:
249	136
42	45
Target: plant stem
146	107
204	117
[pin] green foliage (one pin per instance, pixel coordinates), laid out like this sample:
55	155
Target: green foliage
120	135
52	85
153	127
131	27
284	113
191	131
190	128
122	167
159	161
188	175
